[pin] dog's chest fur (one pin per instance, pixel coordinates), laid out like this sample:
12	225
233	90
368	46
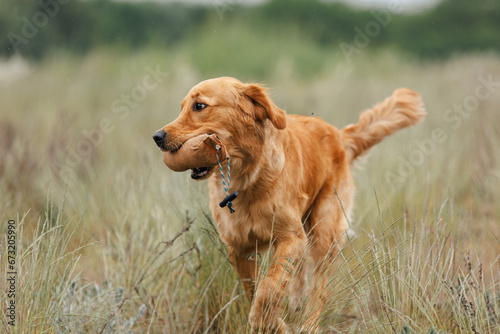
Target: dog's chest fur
246	227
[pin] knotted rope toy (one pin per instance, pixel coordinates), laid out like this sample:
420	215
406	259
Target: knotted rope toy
201	153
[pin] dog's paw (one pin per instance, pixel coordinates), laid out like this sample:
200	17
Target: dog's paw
264	318
268	326
296	303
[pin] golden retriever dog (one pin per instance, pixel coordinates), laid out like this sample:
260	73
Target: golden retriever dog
293	177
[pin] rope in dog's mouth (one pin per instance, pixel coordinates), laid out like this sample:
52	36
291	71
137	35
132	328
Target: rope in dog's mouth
228	200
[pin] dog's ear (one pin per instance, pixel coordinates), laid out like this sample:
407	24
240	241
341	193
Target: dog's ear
256	102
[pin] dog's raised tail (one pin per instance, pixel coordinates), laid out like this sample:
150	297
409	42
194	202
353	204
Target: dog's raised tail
400	110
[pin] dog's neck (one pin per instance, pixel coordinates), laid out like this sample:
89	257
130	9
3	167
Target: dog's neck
256	161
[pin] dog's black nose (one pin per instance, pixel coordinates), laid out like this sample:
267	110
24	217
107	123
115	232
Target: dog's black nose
159	138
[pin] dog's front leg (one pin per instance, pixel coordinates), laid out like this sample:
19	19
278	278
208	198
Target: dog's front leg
267	304
244	264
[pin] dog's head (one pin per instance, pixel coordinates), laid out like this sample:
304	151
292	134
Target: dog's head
237	113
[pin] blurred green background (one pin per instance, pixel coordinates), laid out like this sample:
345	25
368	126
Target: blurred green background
232	36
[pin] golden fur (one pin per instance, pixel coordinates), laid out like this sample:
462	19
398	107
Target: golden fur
293	175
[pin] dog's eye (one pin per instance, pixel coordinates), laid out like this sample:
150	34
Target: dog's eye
199	106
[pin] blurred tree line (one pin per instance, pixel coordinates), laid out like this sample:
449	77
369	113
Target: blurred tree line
35	28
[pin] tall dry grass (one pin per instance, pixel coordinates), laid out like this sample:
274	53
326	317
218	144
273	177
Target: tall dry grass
110	241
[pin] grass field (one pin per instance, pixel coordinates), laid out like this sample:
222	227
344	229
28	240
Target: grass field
111	241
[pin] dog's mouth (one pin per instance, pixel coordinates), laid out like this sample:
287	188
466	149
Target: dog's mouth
201	172
172	148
